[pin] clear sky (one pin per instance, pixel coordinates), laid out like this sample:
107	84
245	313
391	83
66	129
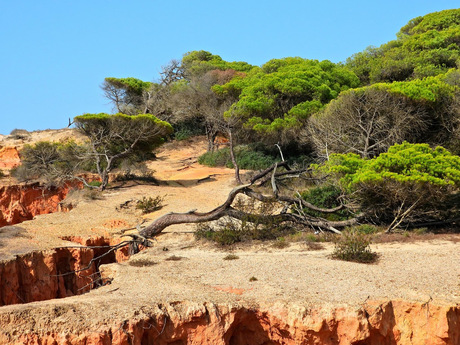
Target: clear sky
55	54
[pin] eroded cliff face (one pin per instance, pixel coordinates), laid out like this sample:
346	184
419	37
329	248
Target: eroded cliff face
56	273
181	323
23	202
9	158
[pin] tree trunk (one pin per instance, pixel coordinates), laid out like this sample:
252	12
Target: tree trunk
232	156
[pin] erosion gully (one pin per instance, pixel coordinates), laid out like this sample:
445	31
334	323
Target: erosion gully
54	273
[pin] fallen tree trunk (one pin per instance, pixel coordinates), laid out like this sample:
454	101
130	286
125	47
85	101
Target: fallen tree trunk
226	210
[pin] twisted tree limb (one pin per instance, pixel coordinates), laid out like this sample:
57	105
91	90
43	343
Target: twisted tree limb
226	209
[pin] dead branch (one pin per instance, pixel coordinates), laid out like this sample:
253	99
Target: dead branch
163	222
268	170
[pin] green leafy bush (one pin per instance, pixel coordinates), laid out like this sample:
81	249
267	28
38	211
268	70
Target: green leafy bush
246	156
94	183
188	128
353	245
283	93
426	46
367	229
325	196
412	182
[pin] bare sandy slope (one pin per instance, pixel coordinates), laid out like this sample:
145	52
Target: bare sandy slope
295	275
53	135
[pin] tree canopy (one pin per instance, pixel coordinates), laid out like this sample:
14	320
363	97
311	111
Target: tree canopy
112	137
426	46
368	120
283	93
127	94
409	182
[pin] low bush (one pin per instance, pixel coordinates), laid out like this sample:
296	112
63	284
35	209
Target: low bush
408	185
19	133
247	157
280	243
231	257
354	245
368	229
189	128
150	204
174	258
141	263
227	231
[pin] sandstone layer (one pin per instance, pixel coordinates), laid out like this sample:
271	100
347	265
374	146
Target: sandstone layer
58	273
181	323
23	202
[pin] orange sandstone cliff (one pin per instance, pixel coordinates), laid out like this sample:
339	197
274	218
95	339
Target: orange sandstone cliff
375	323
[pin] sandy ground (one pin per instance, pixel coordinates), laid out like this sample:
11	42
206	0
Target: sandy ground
295	275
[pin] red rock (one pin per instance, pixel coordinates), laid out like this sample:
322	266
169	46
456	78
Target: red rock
9	158
377	323
23	202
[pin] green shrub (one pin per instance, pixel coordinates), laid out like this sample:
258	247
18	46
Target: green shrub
2	174
280	243
326	196
188	128
246	156
224	234
217	158
412	181
150	204
94	183
353	245
367	229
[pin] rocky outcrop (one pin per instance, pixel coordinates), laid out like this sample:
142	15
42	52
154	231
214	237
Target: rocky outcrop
9	158
181	323
23	202
40	276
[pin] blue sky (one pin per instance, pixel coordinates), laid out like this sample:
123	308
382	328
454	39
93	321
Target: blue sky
55	54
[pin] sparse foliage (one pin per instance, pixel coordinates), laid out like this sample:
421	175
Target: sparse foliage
354	245
149	204
128	95
114	137
50	163
367	122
